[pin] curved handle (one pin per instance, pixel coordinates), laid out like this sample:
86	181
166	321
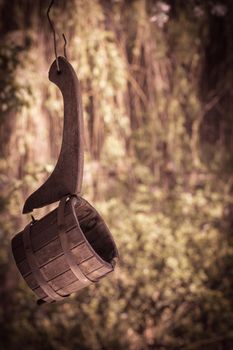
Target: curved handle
67	175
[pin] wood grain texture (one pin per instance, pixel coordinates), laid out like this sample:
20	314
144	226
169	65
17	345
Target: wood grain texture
88	240
68	172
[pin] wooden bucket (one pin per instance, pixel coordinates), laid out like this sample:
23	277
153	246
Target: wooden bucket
65	251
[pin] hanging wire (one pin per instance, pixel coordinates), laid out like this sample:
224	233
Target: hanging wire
54	35
65	43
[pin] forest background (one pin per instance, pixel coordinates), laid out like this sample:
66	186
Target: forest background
157	85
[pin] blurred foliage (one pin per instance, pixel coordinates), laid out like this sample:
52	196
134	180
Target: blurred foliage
158	167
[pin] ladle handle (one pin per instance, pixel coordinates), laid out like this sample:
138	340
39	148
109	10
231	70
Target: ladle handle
67	175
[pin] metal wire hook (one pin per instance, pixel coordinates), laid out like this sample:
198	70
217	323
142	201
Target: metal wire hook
54	34
54	37
65	43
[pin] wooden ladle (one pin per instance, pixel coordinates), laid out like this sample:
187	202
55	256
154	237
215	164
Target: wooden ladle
67	175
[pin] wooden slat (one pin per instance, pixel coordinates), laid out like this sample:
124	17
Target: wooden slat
101	272
46	221
83	213
101	242
58	282
59	265
80	205
17	247
41	224
87	222
17	240
74	287
55	267
31	281
48	252
39	292
24	268
41	238
53	250
82	252
74	237
92	234
90	265
67	278
64	279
